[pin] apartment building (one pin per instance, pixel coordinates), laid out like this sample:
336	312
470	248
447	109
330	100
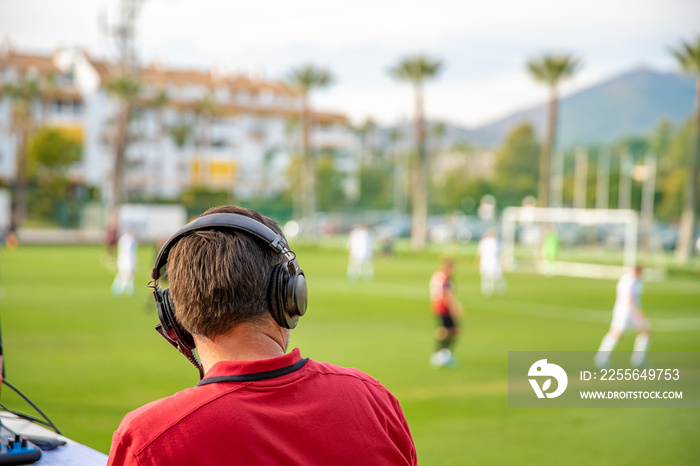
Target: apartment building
218	129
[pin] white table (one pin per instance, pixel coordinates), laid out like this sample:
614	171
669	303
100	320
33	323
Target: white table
71	454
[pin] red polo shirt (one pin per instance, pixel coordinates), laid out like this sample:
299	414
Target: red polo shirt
285	410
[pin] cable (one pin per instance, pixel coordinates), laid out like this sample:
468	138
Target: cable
48	421
20	415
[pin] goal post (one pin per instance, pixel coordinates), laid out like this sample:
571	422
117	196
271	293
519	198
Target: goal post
538	220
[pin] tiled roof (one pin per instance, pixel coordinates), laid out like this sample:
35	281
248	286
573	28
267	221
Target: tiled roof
159	76
156	75
229	109
24	63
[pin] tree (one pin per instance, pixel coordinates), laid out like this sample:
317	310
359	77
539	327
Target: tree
366	131
23	94
516	165
330	181
437	132
51	148
198	199
305	79
180	132
51	153
158	105
330	185
376	193
396	136
688	56
550	70
673	174
294	189
416	70
124	87
205	109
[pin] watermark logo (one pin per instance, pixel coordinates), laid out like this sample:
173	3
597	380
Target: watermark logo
542	368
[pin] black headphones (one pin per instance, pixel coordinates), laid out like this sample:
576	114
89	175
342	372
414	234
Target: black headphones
287	294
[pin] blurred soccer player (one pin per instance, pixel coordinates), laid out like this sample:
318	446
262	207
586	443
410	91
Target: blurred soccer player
488	254
448	309
550	250
126	265
361	245
627	313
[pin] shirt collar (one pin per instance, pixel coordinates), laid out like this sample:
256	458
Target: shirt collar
226	368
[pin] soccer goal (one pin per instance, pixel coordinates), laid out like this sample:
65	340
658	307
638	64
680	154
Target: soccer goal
598	243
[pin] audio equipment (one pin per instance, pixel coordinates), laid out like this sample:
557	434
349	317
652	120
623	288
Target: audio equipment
287	294
16	449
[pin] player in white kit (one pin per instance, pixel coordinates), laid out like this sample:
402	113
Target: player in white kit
488	254
361	245
126	265
627	313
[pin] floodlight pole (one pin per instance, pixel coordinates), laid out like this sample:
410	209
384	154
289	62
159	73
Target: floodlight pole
625	186
603	180
581	178
630	251
556	198
398	187
648	189
509	217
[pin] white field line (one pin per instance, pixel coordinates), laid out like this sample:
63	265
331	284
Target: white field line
526	308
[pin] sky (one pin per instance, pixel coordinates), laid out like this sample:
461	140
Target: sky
483	45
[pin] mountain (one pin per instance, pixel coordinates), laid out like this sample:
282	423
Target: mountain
629	104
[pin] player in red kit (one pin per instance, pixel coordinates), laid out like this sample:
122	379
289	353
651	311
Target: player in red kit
448	309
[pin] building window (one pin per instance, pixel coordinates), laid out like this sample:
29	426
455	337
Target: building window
67	108
219	143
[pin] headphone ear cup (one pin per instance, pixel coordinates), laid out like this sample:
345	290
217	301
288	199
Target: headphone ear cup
166	314
299	293
274	299
285	302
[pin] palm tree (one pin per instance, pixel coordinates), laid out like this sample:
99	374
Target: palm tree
125	88
159	103
550	69
395	136
437	133
688	56
180	133
366	132
417	69
205	109
304	79
23	96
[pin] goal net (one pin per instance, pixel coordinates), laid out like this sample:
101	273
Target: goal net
598	243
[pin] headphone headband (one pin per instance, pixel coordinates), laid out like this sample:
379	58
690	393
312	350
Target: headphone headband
286	294
221	220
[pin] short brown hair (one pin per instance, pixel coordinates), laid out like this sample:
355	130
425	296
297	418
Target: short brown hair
220	278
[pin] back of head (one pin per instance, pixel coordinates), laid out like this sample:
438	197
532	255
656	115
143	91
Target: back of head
448	264
220	278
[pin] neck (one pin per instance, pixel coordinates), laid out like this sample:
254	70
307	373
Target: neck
245	342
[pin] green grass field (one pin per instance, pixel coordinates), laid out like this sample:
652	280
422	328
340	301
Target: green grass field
86	358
